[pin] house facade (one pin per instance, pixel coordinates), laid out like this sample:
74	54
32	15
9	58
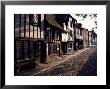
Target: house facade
78	36
29	41
92	38
85	37
70	30
67	42
53	35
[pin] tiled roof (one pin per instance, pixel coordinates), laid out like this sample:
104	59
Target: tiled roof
51	20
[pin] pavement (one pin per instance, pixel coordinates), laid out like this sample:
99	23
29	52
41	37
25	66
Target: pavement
66	65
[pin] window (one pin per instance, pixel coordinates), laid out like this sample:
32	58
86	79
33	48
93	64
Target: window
81	32
77	31
56	35
71	34
70	23
70	45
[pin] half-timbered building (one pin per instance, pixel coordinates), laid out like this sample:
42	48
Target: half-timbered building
78	36
29	40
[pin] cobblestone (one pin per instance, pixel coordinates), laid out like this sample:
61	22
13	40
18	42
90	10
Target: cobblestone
84	63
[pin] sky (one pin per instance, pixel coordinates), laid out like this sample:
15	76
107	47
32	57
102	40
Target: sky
89	21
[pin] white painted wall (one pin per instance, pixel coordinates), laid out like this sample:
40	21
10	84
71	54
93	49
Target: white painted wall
64	26
64	37
69	27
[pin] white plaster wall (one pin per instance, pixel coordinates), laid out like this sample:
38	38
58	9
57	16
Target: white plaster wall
69	27
64	37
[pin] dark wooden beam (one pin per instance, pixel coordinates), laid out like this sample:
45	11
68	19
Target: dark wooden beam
29	49
29	24
33	31
24	25
19	25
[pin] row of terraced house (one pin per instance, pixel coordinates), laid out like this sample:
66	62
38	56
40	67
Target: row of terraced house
40	36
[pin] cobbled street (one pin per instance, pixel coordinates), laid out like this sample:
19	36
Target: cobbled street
84	64
81	63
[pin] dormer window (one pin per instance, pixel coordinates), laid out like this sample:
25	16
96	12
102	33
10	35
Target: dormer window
35	19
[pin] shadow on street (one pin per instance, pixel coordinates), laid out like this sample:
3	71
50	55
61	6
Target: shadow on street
90	67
